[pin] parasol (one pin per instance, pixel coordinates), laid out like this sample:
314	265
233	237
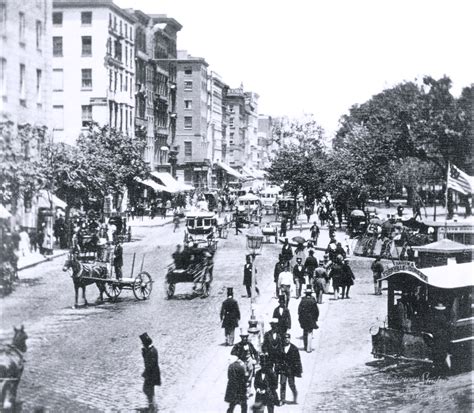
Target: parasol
357	213
298	240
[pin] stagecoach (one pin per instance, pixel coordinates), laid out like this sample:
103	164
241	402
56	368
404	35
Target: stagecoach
201	228
287	209
429	316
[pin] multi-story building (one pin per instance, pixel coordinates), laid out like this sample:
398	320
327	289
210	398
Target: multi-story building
252	148
192	123
265	140
93	44
25	80
237	127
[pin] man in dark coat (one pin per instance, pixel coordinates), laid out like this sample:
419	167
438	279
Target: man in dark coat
273	343
248	277
118	261
289	368
320	281
230	316
283	227
308	314
377	270
280	266
314	233
151	374
246	352
282	314
310	265
286	251
337	275
298	276
236	391
266	384
348	278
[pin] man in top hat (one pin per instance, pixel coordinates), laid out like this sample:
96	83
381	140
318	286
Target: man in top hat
308	314
236	390
314	233
299	276
320	281
282	314
310	265
151	374
289	368
287	251
377	270
230	316
246	352
266	384
118	260
280	266
273	343
248	277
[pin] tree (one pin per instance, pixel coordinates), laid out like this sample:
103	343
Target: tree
20	169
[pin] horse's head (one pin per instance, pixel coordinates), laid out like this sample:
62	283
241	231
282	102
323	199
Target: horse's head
19	338
70	261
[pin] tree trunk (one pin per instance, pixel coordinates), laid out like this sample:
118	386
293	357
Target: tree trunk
410	195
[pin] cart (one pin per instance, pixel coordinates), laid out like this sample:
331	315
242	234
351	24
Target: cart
140	283
268	232
197	270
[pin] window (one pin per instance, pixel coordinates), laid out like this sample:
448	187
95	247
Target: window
57	46
110	19
126	55
57	18
58	80
188	122
126	30
22	85
39	34
3	77
231	122
188	104
111	80
115	22
39	86
121	82
86	18
58	117
115	81
118	50
188	149
131	33
188	71
3	18
86	115
86	79
188	85
131	89
120	27
231	137
21	27
125	84
86	46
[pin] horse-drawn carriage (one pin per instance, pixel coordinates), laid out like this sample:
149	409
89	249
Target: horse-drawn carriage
249	205
89	268
269	232
123	231
195	262
357	223
287	209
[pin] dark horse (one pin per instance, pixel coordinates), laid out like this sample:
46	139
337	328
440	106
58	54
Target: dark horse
11	367
82	274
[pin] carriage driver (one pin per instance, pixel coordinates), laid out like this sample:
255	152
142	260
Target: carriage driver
118	260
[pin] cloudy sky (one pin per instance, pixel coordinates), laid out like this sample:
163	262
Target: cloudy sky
320	57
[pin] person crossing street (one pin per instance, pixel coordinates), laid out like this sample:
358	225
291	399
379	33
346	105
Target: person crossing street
230	316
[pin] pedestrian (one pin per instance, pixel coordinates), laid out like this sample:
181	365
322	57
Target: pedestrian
176	220
230	316
246	352
348	278
178	258
282	314
279	267
287	251
118	260
377	270
237	224
300	252
289	368
340	250
310	265
283	227
152	373
298	276
236	390
273	343
308	314
285	279
337	275
266	385
400	210
314	230
248	277
320	281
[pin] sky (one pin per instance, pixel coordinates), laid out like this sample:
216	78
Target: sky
321	57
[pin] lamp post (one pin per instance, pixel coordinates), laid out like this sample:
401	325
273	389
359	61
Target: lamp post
254	245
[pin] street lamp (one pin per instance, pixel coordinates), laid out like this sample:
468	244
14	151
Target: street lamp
254	245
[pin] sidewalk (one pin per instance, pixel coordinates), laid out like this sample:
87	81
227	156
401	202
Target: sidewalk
36	258
157	221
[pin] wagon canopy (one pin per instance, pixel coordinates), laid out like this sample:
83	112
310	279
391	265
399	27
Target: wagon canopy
445	277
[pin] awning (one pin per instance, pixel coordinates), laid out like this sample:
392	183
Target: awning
247	173
152	184
4	213
259	174
46	199
229	170
170	183
444	246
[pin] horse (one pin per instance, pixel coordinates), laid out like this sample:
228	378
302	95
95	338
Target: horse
81	274
11	368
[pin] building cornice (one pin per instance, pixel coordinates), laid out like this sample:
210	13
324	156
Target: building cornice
62	4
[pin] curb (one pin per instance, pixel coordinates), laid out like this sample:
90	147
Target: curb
45	259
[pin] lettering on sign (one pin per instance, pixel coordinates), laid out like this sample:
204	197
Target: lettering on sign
405	267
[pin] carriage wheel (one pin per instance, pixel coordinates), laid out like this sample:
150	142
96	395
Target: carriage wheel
170	287
142	286
112	290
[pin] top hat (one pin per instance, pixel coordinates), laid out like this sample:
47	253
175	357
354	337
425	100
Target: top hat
243	333
146	340
230	292
281	298
299	259
308	291
439	306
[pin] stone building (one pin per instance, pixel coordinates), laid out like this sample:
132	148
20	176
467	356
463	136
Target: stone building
25	83
93	45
